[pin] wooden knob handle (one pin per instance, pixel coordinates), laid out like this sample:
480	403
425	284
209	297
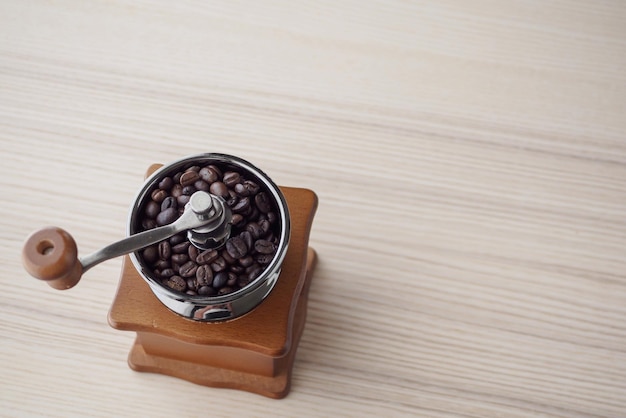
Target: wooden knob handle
50	254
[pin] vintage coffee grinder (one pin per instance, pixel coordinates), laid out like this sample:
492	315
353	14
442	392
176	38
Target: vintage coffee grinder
243	336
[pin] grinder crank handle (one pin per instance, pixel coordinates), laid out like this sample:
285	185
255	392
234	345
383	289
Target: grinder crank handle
50	254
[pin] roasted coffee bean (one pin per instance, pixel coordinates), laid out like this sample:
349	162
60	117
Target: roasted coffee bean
231	178
148	224
207	256
236	247
190	292
252	187
246	236
247	188
208	174
192	252
220	279
163	264
176	283
232	279
180	258
264	246
263	202
178	238
219	264
219	189
233	198
158	195
176	177
167	273
202	185
152	209
237	269
217	170
195	168
241	190
169	202
252	213
264	258
265	226
189	190
225	290
167	216
272	217
230	260
253	267
188	269
165	250
246	261
176	191
243	280
254	273
192	283
181	248
166	183
207	291
183	199
255	230
150	254
237	220
204	275
242	205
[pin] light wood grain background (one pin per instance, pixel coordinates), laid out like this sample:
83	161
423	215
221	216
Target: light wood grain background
469	158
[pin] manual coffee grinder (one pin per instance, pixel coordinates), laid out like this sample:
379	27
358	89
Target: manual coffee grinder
241	336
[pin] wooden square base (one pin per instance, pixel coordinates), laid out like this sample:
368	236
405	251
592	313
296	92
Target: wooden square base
266	376
254	352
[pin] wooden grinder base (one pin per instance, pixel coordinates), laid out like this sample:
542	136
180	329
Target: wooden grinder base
254	352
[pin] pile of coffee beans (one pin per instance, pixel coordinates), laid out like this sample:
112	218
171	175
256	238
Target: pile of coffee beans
252	245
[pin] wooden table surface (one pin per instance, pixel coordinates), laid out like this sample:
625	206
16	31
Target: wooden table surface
470	163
